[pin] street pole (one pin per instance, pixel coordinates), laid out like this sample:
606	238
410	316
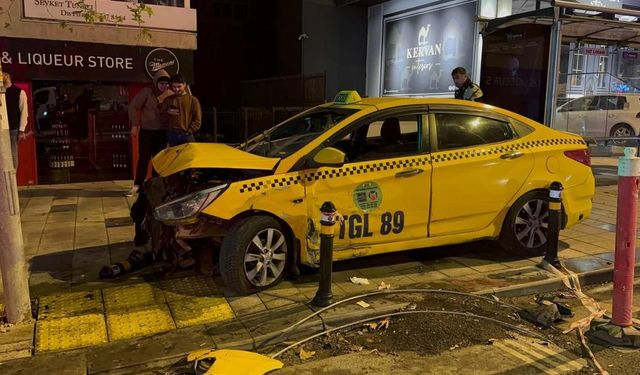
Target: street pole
621	329
626	226
12	262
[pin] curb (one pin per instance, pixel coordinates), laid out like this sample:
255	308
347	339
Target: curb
307	329
554	283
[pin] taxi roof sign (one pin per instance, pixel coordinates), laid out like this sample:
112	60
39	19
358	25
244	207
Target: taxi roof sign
347	97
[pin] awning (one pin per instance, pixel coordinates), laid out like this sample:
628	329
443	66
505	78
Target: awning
592	29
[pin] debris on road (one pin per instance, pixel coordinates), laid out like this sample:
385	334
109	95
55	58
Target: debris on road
363	304
543	315
305	355
376	326
546	313
384	286
411	307
359	280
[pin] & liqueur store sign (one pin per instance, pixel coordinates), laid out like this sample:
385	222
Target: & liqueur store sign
52	60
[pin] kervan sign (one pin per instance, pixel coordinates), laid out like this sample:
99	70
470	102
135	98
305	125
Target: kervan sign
53	60
421	49
114	12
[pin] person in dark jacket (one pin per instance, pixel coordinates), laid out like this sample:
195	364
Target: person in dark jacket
465	89
152	137
17	114
180	113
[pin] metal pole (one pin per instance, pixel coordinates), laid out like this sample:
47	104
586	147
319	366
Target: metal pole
555	223
12	263
552	73
626	225
324	295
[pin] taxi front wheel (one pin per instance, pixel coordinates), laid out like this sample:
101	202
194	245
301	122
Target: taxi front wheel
524	231
254	254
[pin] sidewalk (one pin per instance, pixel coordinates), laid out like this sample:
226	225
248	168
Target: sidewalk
71	231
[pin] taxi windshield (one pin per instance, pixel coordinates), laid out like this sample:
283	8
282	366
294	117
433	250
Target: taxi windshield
293	134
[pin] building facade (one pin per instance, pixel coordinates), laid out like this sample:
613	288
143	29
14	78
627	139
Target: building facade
80	67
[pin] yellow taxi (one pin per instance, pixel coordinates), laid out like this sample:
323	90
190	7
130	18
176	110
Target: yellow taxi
404	173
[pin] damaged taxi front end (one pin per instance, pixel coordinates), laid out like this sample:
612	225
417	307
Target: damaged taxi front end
192	177
249	202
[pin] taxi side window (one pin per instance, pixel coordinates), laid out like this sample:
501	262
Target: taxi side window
464	130
385	138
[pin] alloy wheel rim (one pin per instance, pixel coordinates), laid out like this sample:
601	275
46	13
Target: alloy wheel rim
622	132
531	223
265	257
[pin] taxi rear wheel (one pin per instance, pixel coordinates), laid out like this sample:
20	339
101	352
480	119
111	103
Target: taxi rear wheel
525	228
254	255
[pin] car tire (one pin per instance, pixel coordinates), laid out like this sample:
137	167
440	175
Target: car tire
247	268
622	130
527	218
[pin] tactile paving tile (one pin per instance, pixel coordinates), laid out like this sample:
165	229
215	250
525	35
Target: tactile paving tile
200	310
132	295
189	287
139	321
70	332
57	306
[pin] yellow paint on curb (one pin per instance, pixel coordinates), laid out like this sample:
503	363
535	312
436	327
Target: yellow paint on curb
189	312
70	332
64	305
138	321
128	296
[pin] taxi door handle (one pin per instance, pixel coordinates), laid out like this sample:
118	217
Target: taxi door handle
409	172
512	155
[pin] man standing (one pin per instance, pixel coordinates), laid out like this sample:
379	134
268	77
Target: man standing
152	137
465	89
17	114
181	113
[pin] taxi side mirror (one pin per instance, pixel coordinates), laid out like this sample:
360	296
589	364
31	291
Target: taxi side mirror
329	157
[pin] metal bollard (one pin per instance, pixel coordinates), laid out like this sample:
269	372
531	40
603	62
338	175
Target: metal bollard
555	223
626	225
324	296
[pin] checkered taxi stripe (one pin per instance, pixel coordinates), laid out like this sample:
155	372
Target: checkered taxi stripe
438	157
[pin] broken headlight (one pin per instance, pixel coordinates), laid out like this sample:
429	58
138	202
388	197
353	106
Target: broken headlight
188	206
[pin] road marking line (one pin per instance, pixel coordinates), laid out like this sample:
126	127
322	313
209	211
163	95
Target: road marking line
525	359
556	358
575	363
532	351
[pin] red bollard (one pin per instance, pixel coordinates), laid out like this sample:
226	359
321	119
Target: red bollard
626	225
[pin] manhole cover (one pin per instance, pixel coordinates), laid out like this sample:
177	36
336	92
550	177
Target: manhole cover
63	208
118	222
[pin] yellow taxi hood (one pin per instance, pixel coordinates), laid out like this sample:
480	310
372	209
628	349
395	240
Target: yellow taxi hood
208	155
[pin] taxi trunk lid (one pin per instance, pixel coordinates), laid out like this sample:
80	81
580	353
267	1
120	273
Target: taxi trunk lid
209	156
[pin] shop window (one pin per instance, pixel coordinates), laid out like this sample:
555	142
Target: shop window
603	62
463	130
577	69
387	138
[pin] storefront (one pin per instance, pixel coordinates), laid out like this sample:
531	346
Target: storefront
572	65
530	57
78	93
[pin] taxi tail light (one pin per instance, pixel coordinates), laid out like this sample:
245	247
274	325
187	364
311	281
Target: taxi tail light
581	156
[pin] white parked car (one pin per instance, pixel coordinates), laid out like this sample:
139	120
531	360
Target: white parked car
606	115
